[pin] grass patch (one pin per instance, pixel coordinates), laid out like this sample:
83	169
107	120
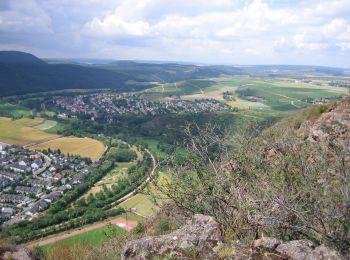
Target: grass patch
46	125
92	237
10	110
141	204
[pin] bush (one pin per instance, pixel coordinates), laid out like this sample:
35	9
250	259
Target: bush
294	189
322	109
121	155
162	227
297	123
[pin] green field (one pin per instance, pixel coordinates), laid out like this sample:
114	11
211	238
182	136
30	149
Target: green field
92	237
46	125
10	110
141	204
271	94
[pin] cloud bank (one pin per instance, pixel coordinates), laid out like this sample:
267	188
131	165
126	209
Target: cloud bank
223	31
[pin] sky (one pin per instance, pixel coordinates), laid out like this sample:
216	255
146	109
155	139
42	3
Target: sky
303	32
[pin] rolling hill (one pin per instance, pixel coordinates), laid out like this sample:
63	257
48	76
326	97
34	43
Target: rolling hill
22	73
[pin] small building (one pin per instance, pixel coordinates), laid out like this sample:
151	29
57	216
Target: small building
7	211
10	176
53	196
29	190
20	168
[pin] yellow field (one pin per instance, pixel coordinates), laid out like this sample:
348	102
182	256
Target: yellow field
21	132
85	147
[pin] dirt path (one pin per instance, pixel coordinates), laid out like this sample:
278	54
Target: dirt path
121	222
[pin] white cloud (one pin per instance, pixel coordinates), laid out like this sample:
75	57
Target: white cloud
24	16
220	31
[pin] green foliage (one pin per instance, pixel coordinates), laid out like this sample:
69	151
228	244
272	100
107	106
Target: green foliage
121	155
162	226
297	123
140	228
284	190
322	109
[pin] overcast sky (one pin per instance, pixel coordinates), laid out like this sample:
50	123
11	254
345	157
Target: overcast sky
313	32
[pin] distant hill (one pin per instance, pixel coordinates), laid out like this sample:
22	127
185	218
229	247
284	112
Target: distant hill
22	73
17	57
169	72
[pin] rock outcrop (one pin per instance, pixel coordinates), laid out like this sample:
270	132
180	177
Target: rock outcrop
201	238
197	238
295	250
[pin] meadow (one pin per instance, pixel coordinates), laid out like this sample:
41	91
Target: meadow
14	111
46	125
92	238
144	204
84	147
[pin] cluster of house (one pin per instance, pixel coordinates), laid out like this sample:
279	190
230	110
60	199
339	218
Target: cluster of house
76	105
126	103
316	101
30	181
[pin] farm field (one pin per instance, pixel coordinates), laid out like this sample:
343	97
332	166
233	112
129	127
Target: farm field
22	131
272	94
84	147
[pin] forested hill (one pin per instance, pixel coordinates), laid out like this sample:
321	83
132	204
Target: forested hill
22	73
169	72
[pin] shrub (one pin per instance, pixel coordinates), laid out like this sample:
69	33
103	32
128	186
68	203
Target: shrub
322	109
162	227
298	192
297	123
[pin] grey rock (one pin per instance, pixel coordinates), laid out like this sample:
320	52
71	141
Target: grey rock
266	243
297	249
197	238
20	254
322	252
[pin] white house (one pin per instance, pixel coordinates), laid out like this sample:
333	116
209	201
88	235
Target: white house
34	166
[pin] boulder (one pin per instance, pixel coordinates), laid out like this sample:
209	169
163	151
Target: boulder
19	254
197	238
323	252
297	249
266	243
304	250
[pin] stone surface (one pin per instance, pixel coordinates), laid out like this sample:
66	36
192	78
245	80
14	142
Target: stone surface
266	243
303	250
297	249
323	252
197	238
20	254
